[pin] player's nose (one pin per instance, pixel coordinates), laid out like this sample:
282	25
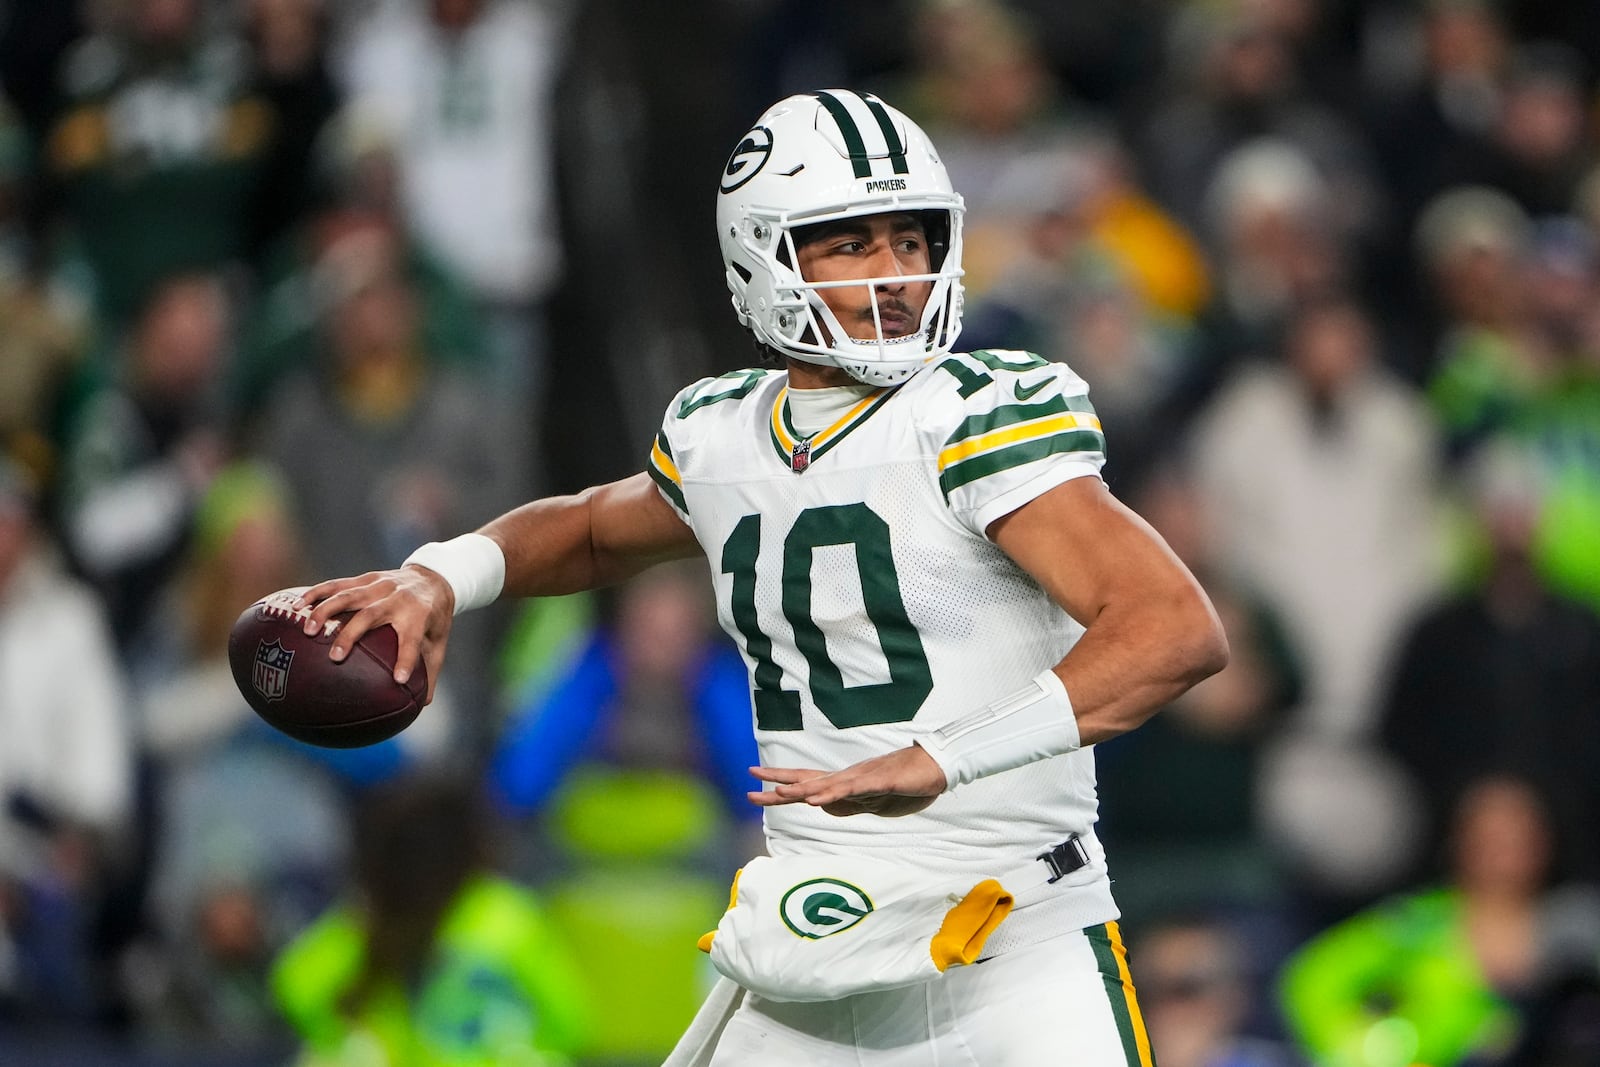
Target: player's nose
886	267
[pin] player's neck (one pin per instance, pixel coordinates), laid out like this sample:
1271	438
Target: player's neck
827	396
804	375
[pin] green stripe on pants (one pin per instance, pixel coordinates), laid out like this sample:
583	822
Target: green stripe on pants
1118	993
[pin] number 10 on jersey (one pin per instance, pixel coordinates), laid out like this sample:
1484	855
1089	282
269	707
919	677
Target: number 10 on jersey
910	680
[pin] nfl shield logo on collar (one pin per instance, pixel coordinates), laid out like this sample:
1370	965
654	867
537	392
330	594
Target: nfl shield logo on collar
800	458
271	673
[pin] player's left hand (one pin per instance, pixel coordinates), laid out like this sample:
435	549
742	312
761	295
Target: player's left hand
902	783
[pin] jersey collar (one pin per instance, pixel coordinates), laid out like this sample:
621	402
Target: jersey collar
798	452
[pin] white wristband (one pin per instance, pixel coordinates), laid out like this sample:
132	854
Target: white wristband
1034	722
472	565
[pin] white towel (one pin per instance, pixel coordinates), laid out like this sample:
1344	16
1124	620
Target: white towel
699	1043
807	928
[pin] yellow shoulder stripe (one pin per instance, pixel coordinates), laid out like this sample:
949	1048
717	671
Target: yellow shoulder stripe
665	465
1025	431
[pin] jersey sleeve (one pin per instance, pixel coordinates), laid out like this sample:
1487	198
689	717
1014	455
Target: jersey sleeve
663	470
1023	427
679	427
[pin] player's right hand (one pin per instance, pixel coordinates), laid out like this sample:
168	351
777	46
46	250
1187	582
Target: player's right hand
415	601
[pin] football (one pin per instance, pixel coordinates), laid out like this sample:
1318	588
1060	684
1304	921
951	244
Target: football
288	679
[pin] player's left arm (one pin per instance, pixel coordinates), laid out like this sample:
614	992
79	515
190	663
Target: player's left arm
1150	630
1150	633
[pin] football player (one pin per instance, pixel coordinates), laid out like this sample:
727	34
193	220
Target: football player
941	605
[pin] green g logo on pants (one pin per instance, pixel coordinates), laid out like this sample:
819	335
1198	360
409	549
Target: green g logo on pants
822	907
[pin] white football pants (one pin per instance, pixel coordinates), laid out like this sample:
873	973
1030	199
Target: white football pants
1065	1002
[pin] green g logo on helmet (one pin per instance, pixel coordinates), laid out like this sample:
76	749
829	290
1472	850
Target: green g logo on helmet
823	906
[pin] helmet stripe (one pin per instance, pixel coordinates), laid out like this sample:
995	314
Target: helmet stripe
852	134
897	150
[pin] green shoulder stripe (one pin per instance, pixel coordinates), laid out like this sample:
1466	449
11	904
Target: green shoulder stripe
669	487
1008	359
731	386
981	466
1010	414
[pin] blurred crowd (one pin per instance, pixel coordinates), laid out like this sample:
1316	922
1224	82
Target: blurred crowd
290	287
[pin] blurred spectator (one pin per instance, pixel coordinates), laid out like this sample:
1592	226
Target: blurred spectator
1430	132
359	193
1100	48
1542	145
649	726
1321	476
245	545
1436	93
1433	976
645	857
1561	278
980	87
288	40
1079	197
1102	279
1504	677
250	844
284	332
1235	81
421	450
43	332
435	961
1482	365
247	830
65	770
465	91
158	148
1175	856
1275	248
1198	997
659	689
1164	261
1525	361
143	447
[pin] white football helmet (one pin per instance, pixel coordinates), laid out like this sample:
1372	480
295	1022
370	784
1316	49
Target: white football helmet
820	157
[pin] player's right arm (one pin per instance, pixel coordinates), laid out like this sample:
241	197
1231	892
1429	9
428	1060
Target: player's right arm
552	546
599	537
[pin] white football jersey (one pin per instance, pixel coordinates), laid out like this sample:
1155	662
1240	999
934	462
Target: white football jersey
852	569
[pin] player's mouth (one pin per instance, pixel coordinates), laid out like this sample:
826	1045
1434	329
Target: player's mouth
896	319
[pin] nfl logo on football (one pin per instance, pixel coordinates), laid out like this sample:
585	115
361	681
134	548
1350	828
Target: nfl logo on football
271	674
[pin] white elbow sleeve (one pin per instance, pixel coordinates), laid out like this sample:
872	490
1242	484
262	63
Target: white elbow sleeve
1034	722
472	565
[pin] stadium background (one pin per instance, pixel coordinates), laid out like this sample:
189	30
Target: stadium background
288	287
